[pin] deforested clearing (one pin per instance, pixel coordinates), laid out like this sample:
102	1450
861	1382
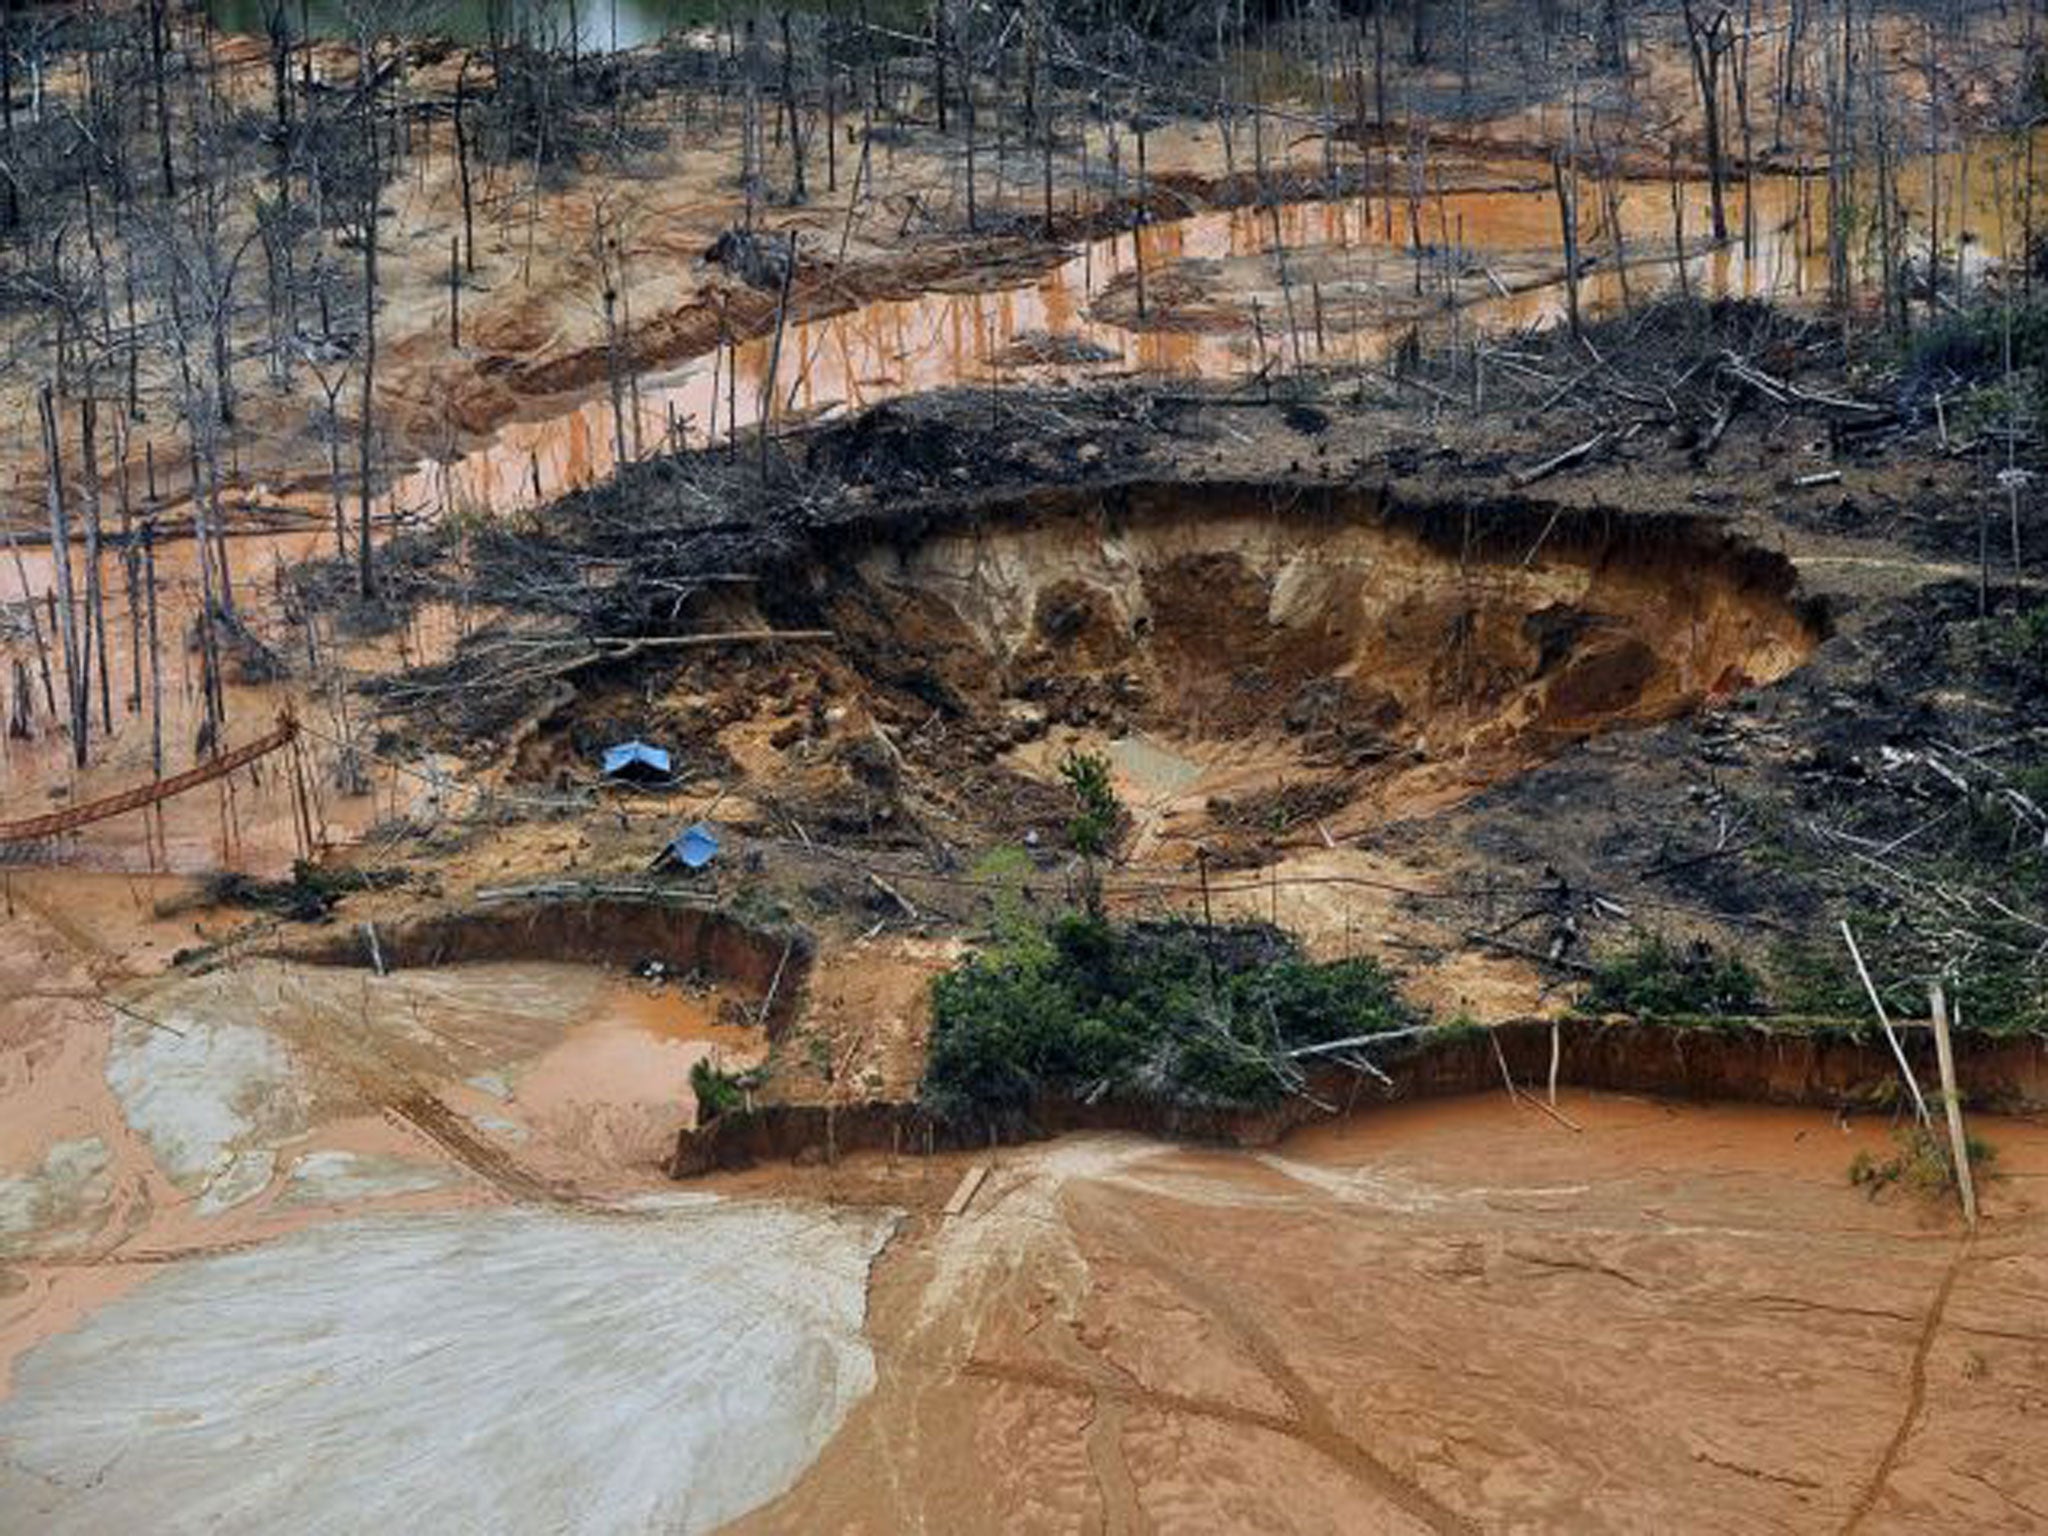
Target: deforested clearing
1051	767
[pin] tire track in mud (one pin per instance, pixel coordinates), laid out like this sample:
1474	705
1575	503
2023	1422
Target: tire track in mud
1311	1421
1916	1393
1053	1379
449	1131
393	1091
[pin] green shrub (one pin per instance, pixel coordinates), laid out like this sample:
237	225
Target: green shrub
1972	344
2021	642
1173	1011
1654	978
1816	980
718	1092
1005	873
1919	1163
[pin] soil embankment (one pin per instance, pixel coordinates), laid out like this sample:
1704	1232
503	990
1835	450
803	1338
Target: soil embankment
1832	1069
614	932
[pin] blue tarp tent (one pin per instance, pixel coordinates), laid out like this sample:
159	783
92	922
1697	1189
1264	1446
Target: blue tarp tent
694	846
635	760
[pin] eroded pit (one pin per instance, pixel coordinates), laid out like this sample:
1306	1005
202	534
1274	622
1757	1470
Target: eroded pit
1253	658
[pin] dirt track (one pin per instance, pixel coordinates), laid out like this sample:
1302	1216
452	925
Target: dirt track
1455	1317
295	1251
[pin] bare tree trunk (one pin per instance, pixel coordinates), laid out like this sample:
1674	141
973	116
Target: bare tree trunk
60	559
1744	127
35	621
95	597
1678	227
1934	179
939	57
1790	62
462	169
799	191
366	570
131	574
12	205
156	664
606	245
1708	42
1563	182
159	39
775	355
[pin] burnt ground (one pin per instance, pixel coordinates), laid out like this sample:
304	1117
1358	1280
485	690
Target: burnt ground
1891	776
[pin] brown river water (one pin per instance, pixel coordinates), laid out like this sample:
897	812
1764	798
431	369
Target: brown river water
279	1243
1334	282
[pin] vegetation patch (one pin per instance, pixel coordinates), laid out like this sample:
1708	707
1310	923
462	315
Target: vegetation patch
1920	1164
1172	1012
1654	978
719	1092
1809	985
309	895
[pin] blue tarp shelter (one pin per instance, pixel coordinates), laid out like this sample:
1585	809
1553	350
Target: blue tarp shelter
694	846
636	760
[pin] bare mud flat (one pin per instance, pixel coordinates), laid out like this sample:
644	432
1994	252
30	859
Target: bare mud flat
1457	1317
290	1244
501	1371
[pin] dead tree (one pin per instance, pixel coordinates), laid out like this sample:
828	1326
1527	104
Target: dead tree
1709	41
367	48
75	687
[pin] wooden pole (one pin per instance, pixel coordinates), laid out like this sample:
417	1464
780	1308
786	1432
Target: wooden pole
156	668
75	688
1952	1103
1884	1020
775	355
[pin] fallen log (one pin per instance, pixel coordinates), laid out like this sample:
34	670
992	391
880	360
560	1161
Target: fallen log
633	643
1785	392
1550	466
1524	952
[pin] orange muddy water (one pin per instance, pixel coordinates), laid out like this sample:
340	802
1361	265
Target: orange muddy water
250	1185
1232	294
1456	1317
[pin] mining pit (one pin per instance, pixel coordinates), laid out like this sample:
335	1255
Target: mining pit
1249	657
1474	532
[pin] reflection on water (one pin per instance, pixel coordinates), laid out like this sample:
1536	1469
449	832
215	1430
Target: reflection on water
1368	275
597	26
1485	263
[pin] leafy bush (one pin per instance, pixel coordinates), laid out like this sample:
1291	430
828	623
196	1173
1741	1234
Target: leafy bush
2003	993
1972	344
1005	874
1162	1010
1097	815
718	1092
1654	978
1920	1164
1816	980
2021	643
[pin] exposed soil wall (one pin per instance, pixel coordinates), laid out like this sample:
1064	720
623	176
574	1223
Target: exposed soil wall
1830	1071
1511	530
1381	651
608	931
